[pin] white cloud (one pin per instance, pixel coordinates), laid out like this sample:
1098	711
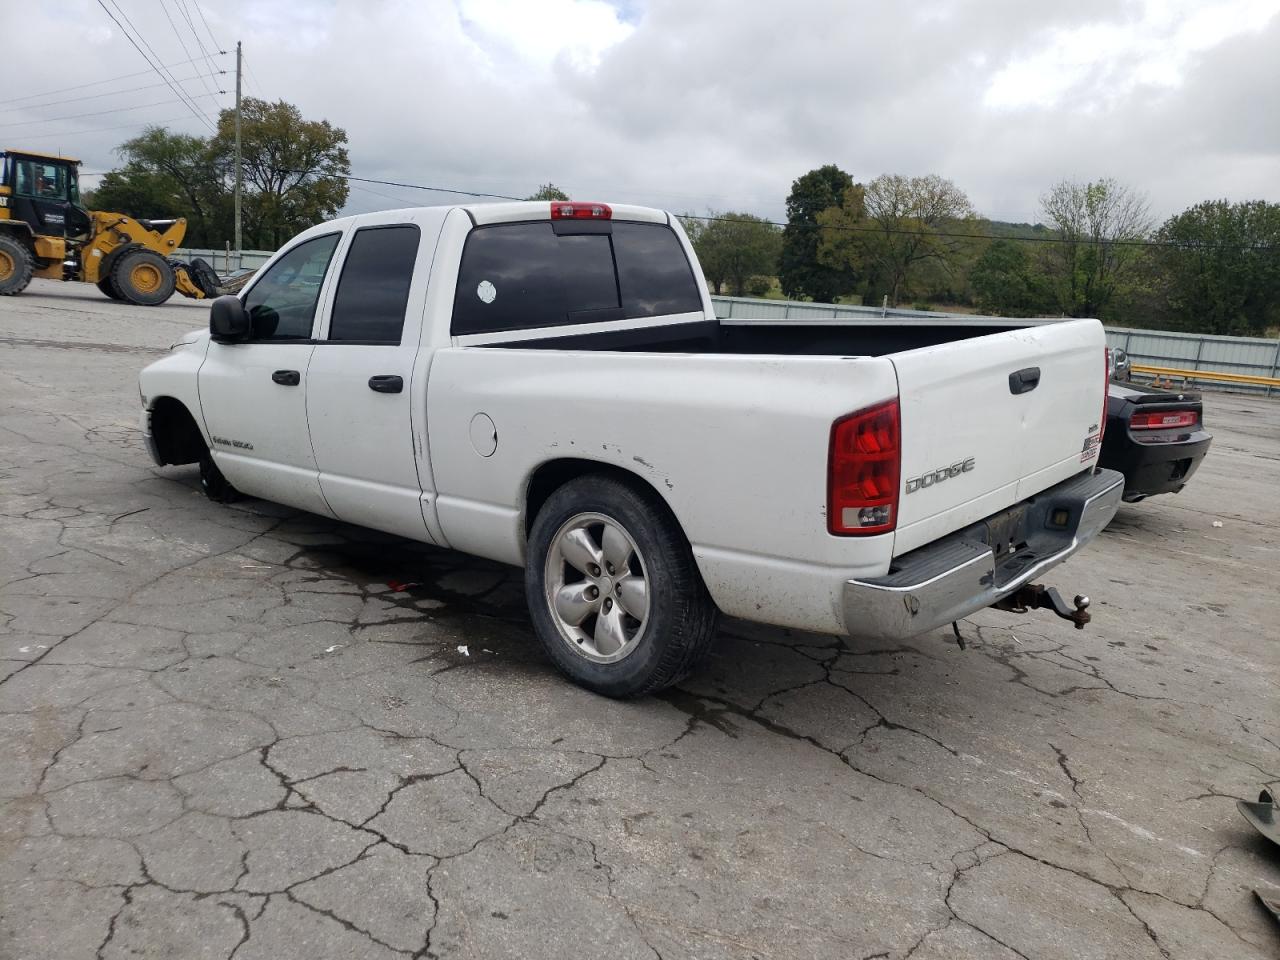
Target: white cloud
1090	64
580	31
722	103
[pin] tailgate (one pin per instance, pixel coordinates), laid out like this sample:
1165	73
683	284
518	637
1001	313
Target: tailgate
971	446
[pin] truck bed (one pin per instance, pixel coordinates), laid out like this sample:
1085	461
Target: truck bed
837	337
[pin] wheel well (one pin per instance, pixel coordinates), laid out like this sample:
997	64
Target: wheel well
174	430
554	474
20	230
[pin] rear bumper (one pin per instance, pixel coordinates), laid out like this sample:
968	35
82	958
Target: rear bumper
1151	468
973	568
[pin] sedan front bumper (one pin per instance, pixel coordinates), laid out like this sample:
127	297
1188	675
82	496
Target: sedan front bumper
973	568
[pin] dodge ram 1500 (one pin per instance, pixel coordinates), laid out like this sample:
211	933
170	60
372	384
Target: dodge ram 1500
547	385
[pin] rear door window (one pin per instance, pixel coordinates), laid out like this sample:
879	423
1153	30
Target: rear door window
373	289
653	273
520	275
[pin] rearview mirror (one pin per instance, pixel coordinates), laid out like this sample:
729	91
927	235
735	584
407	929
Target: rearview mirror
229	320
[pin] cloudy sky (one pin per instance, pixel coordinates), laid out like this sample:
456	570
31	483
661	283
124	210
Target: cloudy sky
694	104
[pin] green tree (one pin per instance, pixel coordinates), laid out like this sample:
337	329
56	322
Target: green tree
1006	280
886	232
549	191
294	169
733	248
168	175
1220	272
1100	226
800	272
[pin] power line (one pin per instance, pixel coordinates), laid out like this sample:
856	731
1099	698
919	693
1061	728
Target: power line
182	43
417	186
253	77
98	113
208	57
844	229
181	90
94	83
90	96
124	126
195	112
200	10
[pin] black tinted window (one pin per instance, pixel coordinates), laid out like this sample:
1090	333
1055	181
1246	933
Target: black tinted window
519	275
374	287
653	273
282	303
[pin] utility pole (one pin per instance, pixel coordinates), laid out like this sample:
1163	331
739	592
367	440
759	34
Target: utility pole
239	176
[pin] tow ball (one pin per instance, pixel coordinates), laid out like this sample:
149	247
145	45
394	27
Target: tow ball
1036	596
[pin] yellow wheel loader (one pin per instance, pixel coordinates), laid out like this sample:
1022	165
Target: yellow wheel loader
46	232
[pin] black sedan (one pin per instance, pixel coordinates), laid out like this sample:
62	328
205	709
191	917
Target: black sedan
1156	438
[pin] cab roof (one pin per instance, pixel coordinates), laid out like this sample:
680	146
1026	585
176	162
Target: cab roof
522	210
43	156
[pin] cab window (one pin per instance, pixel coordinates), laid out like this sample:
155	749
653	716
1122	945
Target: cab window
44	181
373	288
282	303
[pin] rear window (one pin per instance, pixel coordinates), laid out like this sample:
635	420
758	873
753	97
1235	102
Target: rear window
653	273
523	275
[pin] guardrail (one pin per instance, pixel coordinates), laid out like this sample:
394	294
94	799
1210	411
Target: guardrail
1209	376
226	262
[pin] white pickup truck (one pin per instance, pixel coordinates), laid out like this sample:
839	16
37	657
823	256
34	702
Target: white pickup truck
547	385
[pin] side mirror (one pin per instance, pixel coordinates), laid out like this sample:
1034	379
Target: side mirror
229	321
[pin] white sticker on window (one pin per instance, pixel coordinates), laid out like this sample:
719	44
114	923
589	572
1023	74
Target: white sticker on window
486	291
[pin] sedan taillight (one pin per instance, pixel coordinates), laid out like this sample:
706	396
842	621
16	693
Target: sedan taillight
1163	419
863	470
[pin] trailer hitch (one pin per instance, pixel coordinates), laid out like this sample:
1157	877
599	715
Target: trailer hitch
1036	596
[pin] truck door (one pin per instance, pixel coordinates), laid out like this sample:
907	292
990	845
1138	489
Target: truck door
361	382
41	195
253	394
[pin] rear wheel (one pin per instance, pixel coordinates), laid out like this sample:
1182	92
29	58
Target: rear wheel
15	265
143	277
615	596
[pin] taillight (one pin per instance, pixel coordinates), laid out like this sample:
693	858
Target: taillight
863	470
1163	419
564	210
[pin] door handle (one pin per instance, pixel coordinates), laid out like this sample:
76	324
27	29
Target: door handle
287	378
1024	381
386	383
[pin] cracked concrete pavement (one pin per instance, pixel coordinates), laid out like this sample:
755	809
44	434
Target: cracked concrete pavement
245	731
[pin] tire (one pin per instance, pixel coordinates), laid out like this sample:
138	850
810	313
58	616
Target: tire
143	277
15	265
109	289
655	632
215	486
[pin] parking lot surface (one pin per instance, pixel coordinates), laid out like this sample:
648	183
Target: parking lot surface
245	731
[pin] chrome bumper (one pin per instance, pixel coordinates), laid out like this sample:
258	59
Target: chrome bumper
968	570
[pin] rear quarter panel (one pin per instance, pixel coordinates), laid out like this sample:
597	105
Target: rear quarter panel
736	447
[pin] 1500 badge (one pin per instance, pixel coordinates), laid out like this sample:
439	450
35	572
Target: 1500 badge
238	444
937	476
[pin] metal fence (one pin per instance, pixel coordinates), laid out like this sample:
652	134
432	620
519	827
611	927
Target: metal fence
227	262
1256	356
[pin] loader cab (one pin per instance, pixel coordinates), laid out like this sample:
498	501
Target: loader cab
42	191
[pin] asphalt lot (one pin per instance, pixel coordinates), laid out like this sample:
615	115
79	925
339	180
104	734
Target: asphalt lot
248	731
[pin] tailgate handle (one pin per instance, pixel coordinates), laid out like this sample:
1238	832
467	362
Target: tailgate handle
1024	381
